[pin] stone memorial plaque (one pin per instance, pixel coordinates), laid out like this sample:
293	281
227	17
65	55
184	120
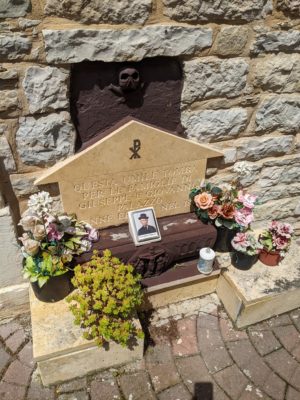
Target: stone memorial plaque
133	167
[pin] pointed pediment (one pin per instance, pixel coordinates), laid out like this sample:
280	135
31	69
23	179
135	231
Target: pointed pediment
134	166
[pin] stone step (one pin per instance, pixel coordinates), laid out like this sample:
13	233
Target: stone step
60	350
261	292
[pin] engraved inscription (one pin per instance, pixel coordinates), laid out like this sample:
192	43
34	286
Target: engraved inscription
165	188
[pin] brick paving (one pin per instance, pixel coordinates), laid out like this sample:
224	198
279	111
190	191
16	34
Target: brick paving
199	356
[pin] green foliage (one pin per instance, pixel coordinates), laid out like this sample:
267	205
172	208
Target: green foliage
40	268
105	302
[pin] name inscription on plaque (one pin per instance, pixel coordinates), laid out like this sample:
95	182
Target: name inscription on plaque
159	187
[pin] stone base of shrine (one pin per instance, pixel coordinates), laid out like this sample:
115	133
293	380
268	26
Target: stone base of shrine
60	351
261	292
248	297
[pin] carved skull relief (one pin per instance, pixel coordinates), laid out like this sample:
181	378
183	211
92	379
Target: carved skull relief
129	79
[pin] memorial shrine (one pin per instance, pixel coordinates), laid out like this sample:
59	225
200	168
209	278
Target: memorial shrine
149	155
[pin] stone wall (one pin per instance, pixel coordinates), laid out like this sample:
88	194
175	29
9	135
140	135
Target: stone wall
241	82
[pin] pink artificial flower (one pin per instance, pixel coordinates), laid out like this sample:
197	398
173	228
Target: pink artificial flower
53	233
244	216
247	199
93	235
280	243
285	230
240	238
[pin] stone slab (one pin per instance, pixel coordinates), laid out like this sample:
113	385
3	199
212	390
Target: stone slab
191	284
261	292
61	351
75	45
126	170
14	300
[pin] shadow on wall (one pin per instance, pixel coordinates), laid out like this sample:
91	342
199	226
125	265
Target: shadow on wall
203	391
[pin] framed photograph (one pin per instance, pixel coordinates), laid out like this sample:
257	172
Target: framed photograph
143	226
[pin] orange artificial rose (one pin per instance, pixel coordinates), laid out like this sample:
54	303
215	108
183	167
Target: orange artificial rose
227	211
204	200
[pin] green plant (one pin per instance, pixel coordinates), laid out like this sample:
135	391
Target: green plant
106	300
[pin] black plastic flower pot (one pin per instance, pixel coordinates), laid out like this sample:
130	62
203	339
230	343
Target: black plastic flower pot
224	238
243	261
55	289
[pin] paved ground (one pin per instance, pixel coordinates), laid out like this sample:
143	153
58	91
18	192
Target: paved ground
196	357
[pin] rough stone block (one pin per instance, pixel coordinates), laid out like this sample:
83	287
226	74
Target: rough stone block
214	125
207	10
60	350
99	11
279	113
276	192
75	45
231	40
277	209
254	149
28	23
11	74
13	8
23	184
46	89
289	6
276	41
10	254
210	77
285	174
44	141
6	154
278	73
14	46
8	102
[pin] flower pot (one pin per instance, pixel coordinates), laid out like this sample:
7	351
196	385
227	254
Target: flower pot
243	261
55	289
270	258
224	237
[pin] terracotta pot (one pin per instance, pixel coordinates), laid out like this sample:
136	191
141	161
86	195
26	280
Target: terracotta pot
55	289
270	258
224	237
243	261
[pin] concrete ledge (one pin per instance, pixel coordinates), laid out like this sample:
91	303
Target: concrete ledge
180	283
61	352
262	291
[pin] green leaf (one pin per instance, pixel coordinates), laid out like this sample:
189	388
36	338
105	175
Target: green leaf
42	280
70	245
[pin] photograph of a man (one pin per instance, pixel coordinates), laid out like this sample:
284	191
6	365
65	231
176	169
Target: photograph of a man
143	226
145	229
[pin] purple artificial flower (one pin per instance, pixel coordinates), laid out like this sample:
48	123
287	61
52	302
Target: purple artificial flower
53	233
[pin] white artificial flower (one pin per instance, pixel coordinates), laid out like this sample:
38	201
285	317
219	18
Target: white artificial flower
40	203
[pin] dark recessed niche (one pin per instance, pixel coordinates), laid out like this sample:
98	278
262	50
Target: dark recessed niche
97	103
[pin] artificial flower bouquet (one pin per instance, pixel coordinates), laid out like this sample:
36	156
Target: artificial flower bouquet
277	238
227	206
246	243
51	240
